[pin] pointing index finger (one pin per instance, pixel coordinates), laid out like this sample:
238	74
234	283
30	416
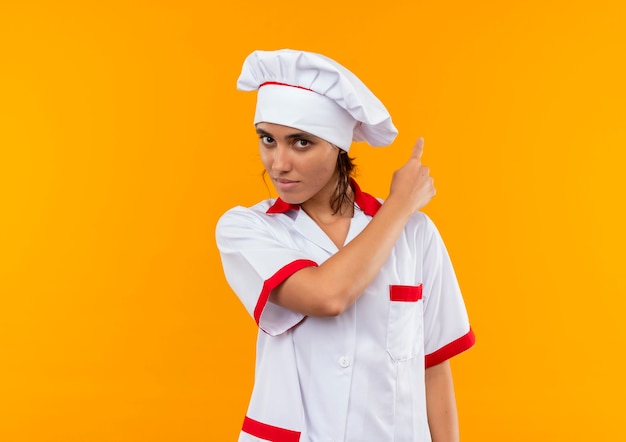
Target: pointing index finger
418	148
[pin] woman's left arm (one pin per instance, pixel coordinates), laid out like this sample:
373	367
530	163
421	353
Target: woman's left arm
441	403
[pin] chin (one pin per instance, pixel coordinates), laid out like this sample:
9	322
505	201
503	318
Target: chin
291	200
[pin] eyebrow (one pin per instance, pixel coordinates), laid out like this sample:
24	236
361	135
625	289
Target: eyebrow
288	137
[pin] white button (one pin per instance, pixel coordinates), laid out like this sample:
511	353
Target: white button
344	361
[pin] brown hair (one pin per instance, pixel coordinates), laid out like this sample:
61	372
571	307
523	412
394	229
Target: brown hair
344	194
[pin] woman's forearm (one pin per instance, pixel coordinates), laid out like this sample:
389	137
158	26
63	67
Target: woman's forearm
441	403
336	284
331	288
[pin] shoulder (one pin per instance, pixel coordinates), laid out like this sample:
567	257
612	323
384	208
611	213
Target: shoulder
241	213
239	220
421	226
422	220
419	222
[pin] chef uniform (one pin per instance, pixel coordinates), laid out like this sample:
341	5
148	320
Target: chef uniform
358	376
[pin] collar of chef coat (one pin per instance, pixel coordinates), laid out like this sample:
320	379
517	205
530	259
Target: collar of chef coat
366	202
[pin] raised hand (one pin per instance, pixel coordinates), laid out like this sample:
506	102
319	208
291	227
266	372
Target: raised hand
412	183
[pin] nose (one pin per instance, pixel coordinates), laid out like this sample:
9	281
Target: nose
281	161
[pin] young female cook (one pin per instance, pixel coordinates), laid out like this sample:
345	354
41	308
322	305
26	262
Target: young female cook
356	300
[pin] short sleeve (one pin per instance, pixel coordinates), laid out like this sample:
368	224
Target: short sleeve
447	331
256	257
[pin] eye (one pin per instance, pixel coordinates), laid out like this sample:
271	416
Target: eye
266	140
302	143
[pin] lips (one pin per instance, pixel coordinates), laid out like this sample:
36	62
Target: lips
284	184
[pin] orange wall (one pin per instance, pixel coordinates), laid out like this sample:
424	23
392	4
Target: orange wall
122	139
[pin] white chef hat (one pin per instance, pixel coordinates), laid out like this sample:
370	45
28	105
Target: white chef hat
313	93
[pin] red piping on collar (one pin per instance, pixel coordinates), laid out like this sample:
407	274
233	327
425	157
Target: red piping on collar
368	204
280	206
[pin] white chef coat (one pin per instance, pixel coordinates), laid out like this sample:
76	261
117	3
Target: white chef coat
359	376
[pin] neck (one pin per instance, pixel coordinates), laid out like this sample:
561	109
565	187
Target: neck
335	225
319	207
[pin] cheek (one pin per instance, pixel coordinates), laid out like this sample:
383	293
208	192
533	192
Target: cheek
324	169
265	158
329	165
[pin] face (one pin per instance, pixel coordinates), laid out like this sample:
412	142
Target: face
301	166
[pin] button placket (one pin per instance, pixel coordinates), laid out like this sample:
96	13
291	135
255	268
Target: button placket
344	361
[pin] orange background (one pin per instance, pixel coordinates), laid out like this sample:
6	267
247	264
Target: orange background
122	140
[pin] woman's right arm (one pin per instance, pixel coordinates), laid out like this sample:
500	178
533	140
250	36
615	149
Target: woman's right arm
336	284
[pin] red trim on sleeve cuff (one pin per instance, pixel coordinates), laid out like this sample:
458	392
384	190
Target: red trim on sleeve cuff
452	349
275	280
269	432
